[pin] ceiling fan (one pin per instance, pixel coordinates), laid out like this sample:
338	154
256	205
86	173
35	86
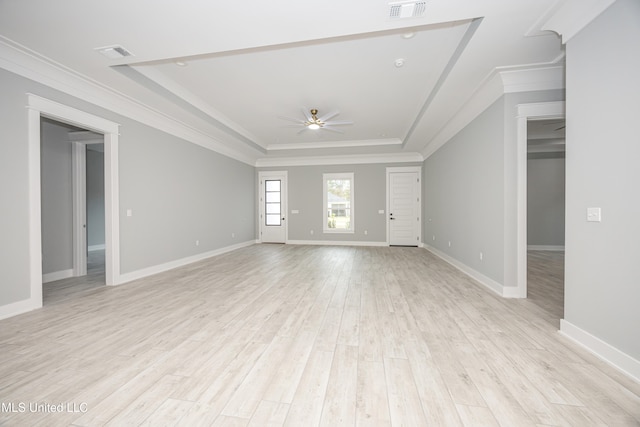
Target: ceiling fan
311	121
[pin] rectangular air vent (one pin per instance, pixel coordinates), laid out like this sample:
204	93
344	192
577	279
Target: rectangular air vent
411	9
114	52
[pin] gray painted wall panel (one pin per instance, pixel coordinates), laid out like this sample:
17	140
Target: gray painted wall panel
95	197
179	192
545	199
463	195
305	196
602	272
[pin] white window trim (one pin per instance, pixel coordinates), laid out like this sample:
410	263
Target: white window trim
325	178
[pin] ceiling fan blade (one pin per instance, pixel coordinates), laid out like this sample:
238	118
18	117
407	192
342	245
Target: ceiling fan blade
328	116
307	114
291	126
329	128
560	128
331	123
291	119
303	129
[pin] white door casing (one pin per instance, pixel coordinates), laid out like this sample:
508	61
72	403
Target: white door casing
404	206
272	202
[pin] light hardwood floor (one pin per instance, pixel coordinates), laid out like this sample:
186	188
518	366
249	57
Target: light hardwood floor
61	290
545	282
275	335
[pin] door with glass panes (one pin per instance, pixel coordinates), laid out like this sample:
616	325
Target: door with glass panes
273	206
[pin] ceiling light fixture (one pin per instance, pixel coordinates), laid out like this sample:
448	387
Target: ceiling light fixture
408	36
181	63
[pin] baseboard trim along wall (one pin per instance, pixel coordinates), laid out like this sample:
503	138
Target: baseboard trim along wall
160	268
611	355
545	248
18	307
503	291
335	243
57	275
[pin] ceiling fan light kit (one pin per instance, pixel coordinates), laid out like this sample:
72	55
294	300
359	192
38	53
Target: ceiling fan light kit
313	122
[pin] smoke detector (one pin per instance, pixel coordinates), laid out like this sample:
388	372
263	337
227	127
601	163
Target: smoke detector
114	52
407	9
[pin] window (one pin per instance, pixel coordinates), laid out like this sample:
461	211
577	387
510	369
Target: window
272	202
338	212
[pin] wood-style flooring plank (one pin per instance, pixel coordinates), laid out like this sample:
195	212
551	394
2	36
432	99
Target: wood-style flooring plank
308	336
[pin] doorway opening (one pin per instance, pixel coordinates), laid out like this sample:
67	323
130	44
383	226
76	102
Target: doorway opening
72	210
37	108
546	214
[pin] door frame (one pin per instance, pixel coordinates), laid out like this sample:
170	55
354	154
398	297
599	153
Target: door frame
284	198
79	141
526	112
38	107
404	169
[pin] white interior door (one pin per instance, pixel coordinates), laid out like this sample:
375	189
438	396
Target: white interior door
404	208
273	207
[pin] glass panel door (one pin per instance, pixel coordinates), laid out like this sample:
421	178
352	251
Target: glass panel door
272	202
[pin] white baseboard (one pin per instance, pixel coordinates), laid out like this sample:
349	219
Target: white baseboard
18	307
616	358
145	272
335	243
95	248
503	291
545	248
57	275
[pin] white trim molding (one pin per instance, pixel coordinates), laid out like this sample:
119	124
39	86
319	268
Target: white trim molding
489	283
571	16
57	275
20	60
605	351
335	243
555	248
533	77
348	159
38	107
161	268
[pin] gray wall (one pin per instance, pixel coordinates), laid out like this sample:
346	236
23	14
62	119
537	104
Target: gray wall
305	195
56	199
179	192
463	195
602	272
470	189
545	199
95	196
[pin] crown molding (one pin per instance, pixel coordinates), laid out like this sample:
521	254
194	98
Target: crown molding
31	65
571	16
350	159
502	80
335	144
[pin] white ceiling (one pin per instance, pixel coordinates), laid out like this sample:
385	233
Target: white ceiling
248	63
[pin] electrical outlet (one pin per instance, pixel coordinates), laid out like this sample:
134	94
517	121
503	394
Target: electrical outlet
366	232
197	242
449	243
481	255
311	231
233	235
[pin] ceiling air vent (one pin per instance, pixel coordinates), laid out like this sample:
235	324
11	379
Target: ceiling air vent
114	52
412	9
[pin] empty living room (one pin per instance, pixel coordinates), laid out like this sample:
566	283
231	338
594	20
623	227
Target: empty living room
387	213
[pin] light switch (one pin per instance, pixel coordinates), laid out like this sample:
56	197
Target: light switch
129	212
295	211
381	211
594	215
